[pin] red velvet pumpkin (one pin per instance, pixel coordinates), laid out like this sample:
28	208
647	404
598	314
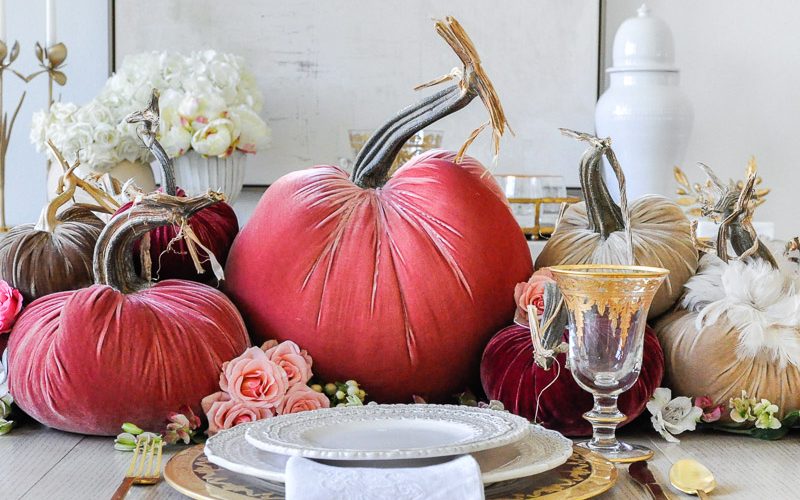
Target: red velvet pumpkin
396	282
509	374
88	360
215	226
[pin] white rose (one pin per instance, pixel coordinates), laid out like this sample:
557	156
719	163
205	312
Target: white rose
62	111
38	135
130	146
215	138
77	137
173	67
175	140
254	133
98	157
94	113
105	135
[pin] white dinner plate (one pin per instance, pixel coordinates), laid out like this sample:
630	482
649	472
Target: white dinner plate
387	432
539	451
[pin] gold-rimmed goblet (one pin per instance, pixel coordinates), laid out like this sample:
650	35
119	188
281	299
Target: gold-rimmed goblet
607	307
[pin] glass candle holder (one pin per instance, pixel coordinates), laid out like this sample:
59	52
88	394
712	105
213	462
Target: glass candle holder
607	307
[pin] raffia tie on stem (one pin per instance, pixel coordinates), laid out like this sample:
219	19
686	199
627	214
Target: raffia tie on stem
455	36
540	353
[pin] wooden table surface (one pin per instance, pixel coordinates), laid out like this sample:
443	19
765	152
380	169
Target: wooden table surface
41	463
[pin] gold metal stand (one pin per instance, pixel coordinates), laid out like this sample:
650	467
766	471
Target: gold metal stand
51	60
538	230
6	126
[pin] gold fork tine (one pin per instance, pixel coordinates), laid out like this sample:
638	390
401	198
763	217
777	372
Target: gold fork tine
145	467
157	471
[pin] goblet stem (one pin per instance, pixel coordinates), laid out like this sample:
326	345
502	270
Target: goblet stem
604	417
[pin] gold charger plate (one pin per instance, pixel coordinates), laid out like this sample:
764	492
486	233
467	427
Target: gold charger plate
584	475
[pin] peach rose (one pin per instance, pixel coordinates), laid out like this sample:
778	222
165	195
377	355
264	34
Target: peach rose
223	412
303	398
294	361
10	306
532	293
254	379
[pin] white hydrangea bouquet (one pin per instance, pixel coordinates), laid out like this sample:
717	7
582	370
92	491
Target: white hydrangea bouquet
209	104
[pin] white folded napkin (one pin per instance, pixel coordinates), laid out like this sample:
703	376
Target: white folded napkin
457	479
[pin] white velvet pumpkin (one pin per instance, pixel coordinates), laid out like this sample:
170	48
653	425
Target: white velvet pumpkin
660	232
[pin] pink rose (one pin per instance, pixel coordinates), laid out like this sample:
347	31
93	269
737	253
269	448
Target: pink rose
294	361
10	306
532	293
303	398
224	412
711	412
254	379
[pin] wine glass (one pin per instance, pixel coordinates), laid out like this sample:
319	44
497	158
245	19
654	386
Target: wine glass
607	307
523	190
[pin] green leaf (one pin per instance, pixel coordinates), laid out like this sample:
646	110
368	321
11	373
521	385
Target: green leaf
789	421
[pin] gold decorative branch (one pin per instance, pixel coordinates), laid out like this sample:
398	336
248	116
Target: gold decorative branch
694	196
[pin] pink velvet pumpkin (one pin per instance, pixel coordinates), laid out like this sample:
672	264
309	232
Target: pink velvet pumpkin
123	350
509	374
395	281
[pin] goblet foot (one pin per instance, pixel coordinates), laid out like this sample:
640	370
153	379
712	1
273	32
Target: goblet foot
620	452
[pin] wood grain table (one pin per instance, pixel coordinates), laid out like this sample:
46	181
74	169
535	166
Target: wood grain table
41	463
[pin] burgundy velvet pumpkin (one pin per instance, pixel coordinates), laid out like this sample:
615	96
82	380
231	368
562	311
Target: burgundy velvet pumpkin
124	350
397	282
509	374
215	226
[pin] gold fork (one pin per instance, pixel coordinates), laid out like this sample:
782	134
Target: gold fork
145	468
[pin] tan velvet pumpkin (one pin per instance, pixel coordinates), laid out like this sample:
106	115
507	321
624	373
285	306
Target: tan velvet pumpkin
738	325
592	232
704	362
55	254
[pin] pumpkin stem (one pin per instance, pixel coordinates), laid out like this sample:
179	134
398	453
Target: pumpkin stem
113	253
148	119
375	160
736	226
604	215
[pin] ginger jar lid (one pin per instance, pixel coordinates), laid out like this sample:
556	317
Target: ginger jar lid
643	43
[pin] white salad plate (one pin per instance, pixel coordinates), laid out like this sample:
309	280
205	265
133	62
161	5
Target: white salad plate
387	432
538	451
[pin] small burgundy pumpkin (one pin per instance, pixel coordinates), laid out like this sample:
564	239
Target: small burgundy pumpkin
123	349
215	226
510	375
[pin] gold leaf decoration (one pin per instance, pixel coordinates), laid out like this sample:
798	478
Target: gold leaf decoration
694	196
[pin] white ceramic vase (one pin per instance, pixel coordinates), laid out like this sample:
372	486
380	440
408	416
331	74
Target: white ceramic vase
196	174
141	173
644	111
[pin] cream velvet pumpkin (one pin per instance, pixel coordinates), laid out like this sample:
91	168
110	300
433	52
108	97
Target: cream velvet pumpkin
592	232
704	362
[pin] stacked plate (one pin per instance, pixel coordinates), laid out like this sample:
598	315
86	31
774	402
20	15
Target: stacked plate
384	436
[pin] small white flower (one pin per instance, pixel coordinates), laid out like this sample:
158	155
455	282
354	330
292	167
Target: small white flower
672	416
